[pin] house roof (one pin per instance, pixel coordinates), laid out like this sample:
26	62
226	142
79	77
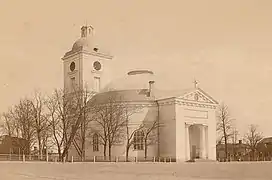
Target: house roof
266	140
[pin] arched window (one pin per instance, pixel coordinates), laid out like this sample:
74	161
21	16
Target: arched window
138	140
95	142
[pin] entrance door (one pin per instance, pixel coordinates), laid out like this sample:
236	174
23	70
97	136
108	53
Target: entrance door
193	151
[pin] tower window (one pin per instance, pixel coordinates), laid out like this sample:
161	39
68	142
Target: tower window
95	142
72	66
73	82
97	84
138	140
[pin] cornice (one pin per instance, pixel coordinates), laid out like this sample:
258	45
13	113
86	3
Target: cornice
139	104
187	103
84	51
191	123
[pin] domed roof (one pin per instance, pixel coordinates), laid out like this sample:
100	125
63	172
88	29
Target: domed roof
84	42
87	43
134	80
122	96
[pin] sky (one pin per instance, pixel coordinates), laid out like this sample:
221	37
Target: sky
225	45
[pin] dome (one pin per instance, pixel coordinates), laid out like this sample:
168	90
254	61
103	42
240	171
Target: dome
86	43
83	42
134	80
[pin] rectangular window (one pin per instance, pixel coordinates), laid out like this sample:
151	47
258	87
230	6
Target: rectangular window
139	140
97	84
95	142
73	82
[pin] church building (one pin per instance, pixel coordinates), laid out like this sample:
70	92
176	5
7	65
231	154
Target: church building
186	118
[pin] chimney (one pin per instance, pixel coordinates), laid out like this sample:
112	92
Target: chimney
151	89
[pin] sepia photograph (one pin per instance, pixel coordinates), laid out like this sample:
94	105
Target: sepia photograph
136	89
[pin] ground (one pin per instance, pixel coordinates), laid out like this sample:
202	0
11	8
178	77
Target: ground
131	171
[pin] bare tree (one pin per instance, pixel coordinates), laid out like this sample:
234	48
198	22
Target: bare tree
8	125
252	138
81	135
150	133
129	110
22	115
57	119
110	120
234	137
41	124
75	112
61	109
224	125
99	127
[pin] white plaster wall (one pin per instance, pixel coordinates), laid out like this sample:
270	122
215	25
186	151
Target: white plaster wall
67	72
167	131
212	134
119	149
88	72
180	134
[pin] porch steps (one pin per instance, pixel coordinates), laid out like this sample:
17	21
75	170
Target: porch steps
201	160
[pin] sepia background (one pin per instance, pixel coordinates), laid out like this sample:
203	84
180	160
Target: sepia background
225	45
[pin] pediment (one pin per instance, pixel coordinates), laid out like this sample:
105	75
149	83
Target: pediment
198	95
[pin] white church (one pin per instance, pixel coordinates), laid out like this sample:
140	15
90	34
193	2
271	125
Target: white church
188	117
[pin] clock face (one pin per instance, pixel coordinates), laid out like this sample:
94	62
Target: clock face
72	66
97	65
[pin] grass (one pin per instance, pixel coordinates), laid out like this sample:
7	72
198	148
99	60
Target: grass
125	171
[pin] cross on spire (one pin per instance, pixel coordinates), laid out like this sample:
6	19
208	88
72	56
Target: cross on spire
195	83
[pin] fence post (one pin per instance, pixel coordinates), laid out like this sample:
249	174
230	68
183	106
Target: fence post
64	159
159	159
116	158
23	158
46	157
136	159
154	159
165	160
94	159
72	160
170	159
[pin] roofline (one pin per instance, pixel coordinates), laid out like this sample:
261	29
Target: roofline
177	96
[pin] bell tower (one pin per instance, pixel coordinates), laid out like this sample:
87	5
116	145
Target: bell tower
85	65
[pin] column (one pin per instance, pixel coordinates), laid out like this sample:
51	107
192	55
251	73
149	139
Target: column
203	139
187	141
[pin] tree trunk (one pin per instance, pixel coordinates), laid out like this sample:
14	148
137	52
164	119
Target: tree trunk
253	154
83	152
83	147
40	147
83	136
105	150
59	151
145	148
127	151
226	147
110	152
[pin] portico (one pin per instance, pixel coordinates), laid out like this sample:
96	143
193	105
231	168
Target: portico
196	138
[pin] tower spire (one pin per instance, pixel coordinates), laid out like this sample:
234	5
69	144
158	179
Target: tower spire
86	30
